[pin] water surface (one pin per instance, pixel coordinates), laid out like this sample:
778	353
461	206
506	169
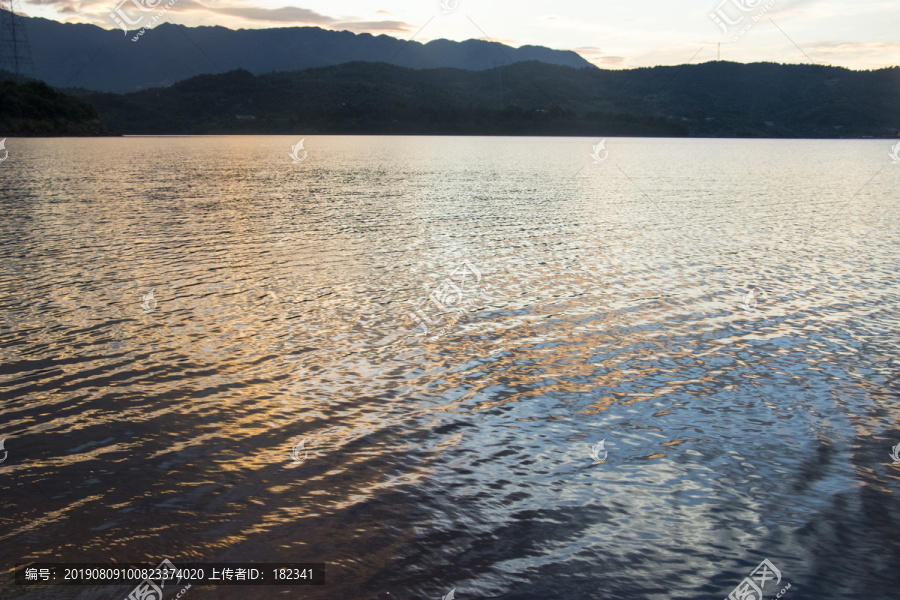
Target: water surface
608	301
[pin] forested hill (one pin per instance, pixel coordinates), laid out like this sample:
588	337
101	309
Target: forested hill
715	99
34	109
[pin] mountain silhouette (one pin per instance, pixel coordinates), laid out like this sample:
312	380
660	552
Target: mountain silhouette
714	99
90	57
32	108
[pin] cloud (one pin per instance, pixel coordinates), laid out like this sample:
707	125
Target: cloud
369	26
857	46
612	60
95	11
66	7
599	57
299	16
285	14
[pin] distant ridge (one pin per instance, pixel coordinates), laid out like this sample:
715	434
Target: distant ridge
90	57
715	99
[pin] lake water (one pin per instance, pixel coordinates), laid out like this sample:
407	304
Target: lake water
567	302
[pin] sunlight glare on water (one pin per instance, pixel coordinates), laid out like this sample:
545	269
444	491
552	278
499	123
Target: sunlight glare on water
603	300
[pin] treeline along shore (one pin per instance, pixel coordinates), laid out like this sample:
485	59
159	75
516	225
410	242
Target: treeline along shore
715	99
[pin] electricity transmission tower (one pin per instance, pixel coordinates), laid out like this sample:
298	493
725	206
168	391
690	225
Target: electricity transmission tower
15	51
719	53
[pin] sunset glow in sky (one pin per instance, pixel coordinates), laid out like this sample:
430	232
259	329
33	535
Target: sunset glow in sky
863	34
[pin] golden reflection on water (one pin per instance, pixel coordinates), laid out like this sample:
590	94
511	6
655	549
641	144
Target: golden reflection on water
284	299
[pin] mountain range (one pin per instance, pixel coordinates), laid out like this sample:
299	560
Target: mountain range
714	99
90	57
209	80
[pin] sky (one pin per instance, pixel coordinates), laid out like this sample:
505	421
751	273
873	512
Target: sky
858	34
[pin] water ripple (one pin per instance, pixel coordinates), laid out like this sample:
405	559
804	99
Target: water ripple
612	305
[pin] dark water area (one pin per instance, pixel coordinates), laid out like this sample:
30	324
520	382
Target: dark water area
722	314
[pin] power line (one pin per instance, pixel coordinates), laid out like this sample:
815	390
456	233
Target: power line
499	67
14	47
